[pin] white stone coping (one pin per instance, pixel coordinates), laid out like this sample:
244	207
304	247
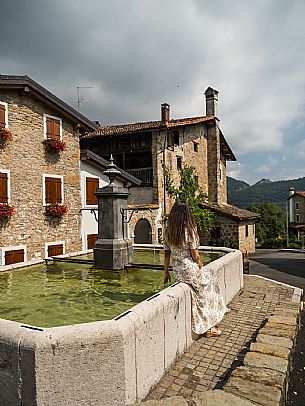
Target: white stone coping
113	362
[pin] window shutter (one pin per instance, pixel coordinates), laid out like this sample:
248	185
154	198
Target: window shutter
14	256
57	249
53	128
56	129
3	188
50	128
2	116
53	190
91	185
91	238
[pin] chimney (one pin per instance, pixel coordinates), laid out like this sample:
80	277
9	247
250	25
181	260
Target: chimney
211	101
165	112
291	191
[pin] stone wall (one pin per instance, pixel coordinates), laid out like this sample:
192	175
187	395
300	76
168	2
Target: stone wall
27	161
233	234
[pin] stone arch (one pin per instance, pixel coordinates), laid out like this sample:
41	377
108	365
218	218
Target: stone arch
143	232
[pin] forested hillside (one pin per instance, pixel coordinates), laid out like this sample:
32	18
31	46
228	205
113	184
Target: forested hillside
265	191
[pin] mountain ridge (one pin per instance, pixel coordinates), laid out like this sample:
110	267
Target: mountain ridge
241	194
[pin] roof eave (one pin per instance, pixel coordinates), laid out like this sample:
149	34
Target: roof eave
27	84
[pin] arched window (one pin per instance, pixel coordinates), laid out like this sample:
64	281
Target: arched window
142	232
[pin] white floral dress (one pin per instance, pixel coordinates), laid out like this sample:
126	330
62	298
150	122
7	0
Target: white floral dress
208	306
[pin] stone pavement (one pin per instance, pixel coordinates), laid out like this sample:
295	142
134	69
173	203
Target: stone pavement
208	363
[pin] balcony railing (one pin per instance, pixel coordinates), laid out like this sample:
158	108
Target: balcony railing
144	174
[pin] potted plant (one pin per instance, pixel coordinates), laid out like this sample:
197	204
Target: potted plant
53	145
55	210
5	136
6	211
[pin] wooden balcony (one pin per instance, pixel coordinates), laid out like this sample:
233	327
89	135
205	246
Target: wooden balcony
144	174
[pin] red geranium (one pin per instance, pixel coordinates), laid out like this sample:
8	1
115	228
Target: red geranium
54	144
5	135
6	211
56	210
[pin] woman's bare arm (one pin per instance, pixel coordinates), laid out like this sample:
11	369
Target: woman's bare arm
196	257
167	277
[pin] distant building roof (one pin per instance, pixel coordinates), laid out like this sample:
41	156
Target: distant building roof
87	155
297	193
227	210
29	86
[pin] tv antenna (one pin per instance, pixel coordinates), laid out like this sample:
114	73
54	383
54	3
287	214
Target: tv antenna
80	99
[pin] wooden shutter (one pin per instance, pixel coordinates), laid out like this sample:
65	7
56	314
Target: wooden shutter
2	116
91	238
56	129
56	249
53	128
53	190
91	185
3	188
14	256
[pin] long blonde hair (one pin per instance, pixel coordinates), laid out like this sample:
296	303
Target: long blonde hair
180	222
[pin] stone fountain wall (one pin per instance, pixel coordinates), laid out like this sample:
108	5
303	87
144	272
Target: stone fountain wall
104	363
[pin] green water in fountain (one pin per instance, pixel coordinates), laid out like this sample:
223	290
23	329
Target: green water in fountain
60	294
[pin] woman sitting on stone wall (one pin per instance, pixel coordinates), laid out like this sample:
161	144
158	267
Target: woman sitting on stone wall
182	241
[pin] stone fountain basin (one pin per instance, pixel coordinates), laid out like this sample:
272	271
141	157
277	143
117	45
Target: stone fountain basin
105	363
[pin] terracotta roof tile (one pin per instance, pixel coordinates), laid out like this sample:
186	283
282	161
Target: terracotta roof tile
228	210
143	126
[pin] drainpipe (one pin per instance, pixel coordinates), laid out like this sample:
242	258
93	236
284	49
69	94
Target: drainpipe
165	117
164	162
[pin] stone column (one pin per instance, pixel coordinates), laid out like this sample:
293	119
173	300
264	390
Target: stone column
112	250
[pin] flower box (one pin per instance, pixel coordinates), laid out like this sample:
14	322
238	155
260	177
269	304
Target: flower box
55	210
6	211
5	135
53	145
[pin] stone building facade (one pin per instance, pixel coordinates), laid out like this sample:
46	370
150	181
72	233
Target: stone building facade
143	149
296	214
27	170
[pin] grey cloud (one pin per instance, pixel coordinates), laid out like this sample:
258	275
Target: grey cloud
139	53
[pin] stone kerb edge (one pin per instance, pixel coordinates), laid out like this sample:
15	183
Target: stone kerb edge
268	363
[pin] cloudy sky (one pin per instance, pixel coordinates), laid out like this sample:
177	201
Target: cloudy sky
136	54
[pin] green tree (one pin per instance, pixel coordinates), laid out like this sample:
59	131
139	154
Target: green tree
272	222
189	192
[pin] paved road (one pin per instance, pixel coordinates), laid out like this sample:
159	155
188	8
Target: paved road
287	267
280	265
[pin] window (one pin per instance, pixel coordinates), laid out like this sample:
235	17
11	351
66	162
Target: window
53	189
91	185
247	230
13	256
297	205
4	186
52	127
215	232
176	137
196	146
54	248
91	238
179	162
3	115
297	218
